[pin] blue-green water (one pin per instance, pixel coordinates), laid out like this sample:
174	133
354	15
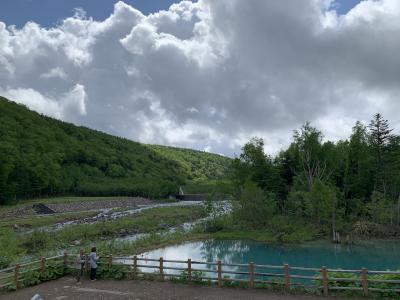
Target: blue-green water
373	255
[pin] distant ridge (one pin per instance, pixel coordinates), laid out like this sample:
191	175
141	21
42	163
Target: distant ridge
42	156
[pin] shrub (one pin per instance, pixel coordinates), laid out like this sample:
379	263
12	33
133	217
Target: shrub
112	272
36	241
31	278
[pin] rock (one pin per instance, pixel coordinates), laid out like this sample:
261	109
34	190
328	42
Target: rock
162	226
77	242
42	209
16	227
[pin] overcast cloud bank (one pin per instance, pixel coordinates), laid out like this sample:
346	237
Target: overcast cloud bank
210	75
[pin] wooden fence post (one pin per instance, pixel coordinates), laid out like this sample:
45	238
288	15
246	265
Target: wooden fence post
161	269
364	278
43	265
189	269
110	261
135	266
16	275
287	276
251	273
65	259
219	266
325	280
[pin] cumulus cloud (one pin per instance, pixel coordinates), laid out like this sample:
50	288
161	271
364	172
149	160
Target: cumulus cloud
69	106
211	74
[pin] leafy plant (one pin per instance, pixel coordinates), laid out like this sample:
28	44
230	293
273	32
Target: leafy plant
31	278
112	272
54	271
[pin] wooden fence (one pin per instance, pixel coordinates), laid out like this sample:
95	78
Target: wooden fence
251	275
14	276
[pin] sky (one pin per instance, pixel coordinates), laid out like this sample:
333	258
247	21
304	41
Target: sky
49	13
207	75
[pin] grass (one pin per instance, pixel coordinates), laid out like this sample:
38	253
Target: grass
147	221
148	243
40	243
279	230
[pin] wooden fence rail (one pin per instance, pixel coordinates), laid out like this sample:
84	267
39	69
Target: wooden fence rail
253	275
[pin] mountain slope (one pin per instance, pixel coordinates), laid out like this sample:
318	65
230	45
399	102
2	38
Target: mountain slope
42	156
198	165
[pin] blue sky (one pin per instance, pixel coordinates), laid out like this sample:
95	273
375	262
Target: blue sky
343	6
49	12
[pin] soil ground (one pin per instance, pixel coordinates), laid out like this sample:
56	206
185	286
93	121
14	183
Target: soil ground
73	205
66	288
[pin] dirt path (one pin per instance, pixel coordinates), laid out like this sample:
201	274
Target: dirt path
66	288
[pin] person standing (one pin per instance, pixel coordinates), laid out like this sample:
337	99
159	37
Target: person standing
93	264
79	265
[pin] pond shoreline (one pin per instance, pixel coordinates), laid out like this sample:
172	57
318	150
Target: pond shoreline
383	255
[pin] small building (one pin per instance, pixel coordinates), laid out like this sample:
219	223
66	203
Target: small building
191	197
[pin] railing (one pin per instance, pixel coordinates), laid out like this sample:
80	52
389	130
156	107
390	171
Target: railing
251	275
14	276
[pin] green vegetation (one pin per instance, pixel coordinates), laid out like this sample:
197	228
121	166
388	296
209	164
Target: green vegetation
34	274
198	165
43	157
146	243
13	246
374	282
318	188
277	229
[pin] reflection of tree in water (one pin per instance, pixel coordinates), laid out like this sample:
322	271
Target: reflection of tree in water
226	251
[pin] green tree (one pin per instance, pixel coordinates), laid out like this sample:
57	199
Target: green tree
311	164
253	207
380	135
254	165
359	171
321	204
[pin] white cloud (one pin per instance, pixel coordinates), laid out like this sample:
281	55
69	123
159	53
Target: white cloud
56	72
211	74
69	106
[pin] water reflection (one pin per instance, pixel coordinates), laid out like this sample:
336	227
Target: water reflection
374	255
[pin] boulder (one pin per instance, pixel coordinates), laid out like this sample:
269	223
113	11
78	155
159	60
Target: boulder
162	226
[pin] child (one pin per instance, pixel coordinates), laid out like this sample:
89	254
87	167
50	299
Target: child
79	265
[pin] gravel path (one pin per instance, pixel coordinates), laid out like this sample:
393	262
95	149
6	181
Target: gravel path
66	288
26	210
130	202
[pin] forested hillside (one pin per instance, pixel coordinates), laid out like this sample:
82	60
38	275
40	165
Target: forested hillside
351	186
41	156
200	166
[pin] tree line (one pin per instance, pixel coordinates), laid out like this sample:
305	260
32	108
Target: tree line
348	186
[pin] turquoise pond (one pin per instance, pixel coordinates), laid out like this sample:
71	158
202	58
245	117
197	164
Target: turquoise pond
373	255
